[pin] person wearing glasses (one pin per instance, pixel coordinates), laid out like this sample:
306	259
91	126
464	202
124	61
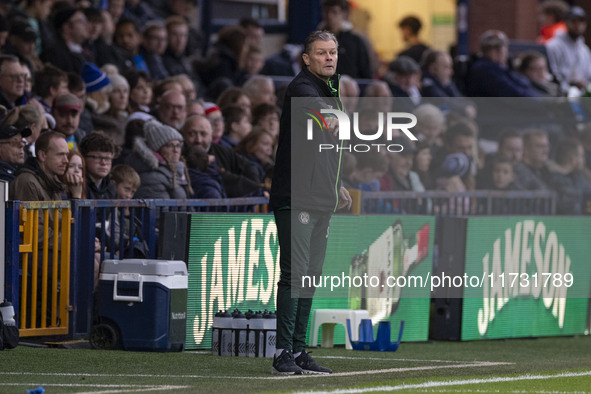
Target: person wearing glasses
157	158
99	150
12	154
12	81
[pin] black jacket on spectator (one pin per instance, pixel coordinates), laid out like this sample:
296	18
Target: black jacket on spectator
207	184
530	178
154	64
415	52
221	63
240	176
61	57
7	171
353	56
489	79
10	105
279	64
106	190
572	192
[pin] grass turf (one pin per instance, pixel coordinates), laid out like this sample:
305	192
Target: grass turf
414	363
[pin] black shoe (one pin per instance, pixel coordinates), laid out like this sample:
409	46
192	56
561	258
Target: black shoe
308	365
285	364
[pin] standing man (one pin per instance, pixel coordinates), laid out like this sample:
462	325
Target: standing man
304	198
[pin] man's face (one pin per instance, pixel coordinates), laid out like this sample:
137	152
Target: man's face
502	175
78	28
66	121
334	17
155	41
536	152
512	149
576	27
172	110
12	80
443	68
98	164
463	144
128	38
197	131
178	36
322	59
54	161
12	150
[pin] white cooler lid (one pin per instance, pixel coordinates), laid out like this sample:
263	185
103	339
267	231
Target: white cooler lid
145	267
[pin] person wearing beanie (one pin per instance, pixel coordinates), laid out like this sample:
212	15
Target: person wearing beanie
213	113
98	87
118	98
157	159
71	31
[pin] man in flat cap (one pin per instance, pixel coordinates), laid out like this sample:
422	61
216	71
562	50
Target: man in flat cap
66	111
569	57
12	153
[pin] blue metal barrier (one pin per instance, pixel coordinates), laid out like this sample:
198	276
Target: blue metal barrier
441	203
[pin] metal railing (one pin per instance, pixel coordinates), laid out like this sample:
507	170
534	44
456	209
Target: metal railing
441	203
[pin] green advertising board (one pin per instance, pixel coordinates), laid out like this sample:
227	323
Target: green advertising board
233	262
536	275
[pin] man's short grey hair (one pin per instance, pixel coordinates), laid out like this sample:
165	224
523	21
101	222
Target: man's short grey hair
255	83
318	35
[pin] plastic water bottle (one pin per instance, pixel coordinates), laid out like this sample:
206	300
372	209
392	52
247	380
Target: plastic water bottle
221	334
270	332
239	326
7	311
256	336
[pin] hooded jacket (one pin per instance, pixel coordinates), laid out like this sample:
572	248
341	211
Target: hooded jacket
157	177
31	183
314	182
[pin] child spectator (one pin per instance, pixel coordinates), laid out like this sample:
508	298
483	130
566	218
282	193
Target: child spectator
257	146
74	179
503	176
237	126
266	116
99	150
140	91
213	113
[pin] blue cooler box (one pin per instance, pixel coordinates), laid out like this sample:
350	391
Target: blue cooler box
142	305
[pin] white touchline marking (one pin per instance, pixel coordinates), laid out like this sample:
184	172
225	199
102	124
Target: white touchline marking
352	373
131	387
432	384
396	359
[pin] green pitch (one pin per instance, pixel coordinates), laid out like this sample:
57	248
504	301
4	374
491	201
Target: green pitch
524	365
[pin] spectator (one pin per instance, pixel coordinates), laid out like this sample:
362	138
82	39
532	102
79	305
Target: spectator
254	61
287	62
349	93
569	181
164	86
127	39
459	138
403	78
257	146
188	86
410	27
438	82
260	89
38	179
22	40
140	91
216	119
38	12
186	8
551	18
267	117
139	11
12	81
225	58
68	53
533	66
27	117
400	176
66	111
50	82
254	31
152	49
157	159
3	30
234	96
354	58
99	150
237	126
76	170
205	176
133	129
489	76
421	164
98	88
430	125
118	102
569	57
195	107
240	177
174	59
12	154
533	173
381	95
367	172
172	109
510	148
503	176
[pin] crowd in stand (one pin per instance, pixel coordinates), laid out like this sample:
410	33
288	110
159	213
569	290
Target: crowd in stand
122	102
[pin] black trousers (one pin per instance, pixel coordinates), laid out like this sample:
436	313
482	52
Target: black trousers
303	236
